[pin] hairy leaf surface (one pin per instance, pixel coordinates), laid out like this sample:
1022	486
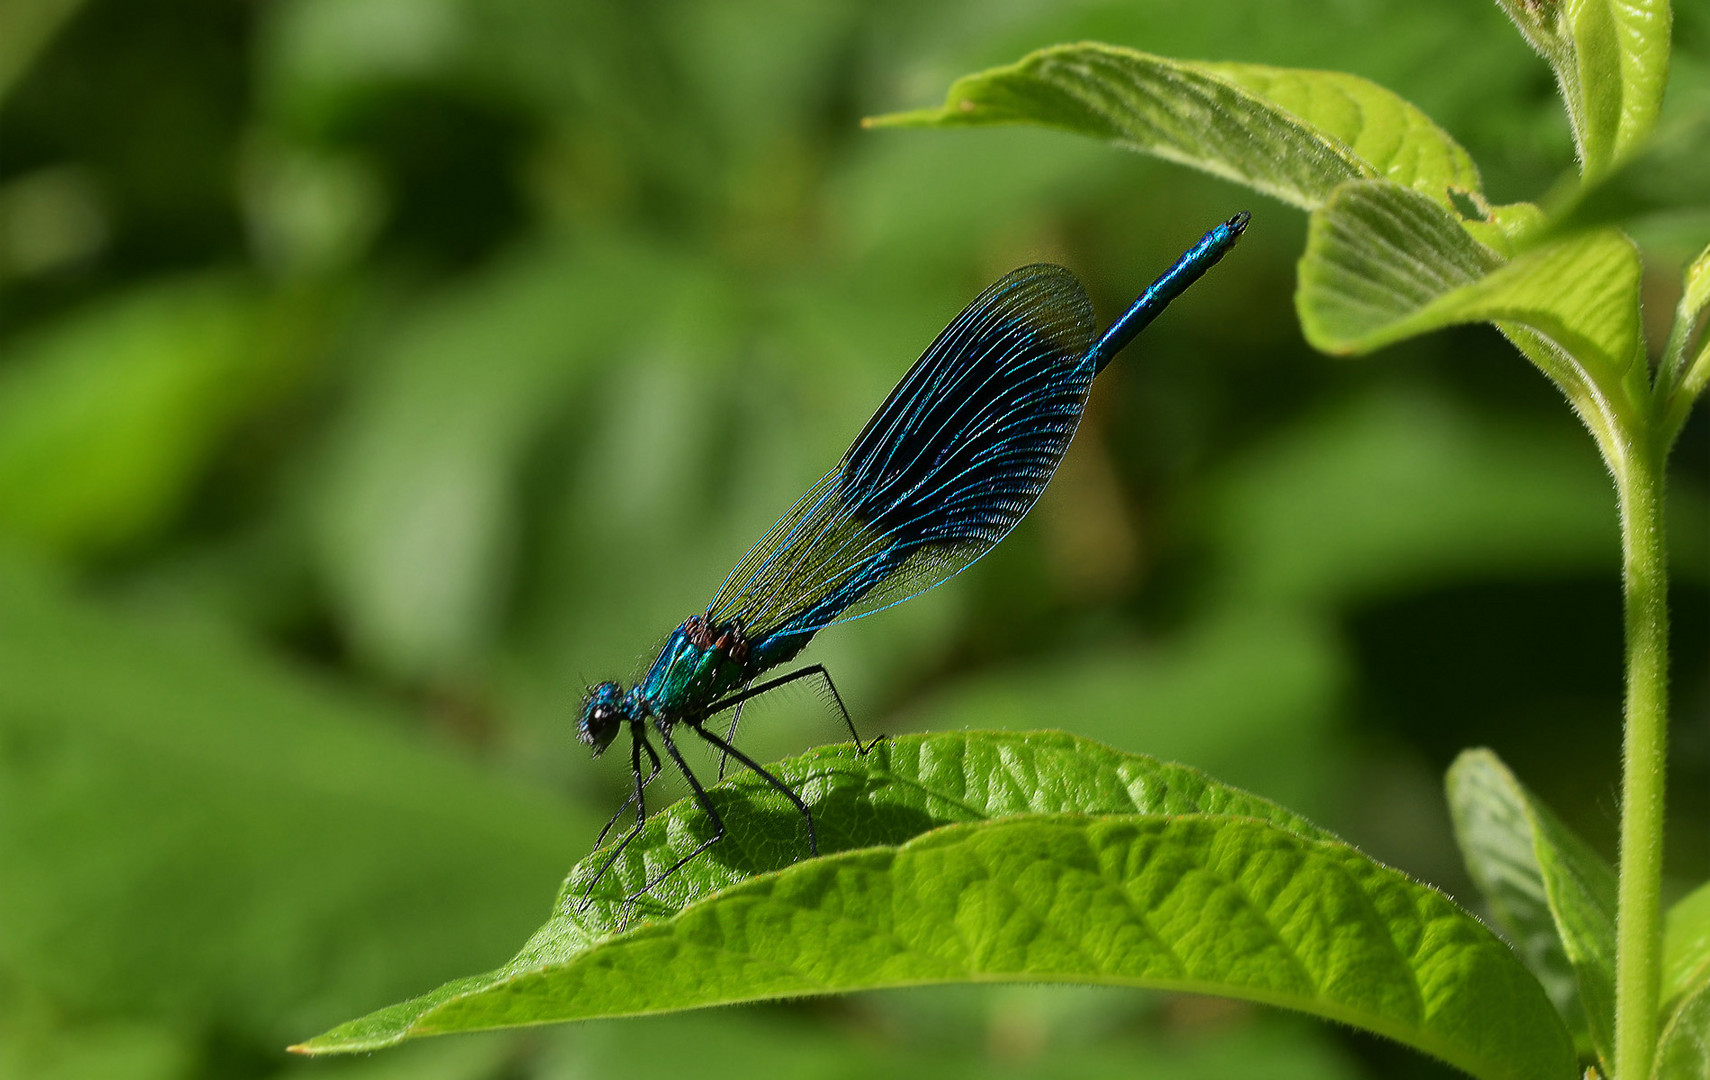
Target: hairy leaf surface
1065	861
1287	132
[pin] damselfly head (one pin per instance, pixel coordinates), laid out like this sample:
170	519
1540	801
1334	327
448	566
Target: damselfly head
602	716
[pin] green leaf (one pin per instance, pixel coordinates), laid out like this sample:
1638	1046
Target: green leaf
1683	1051
1186	885
1686	946
1290	133
1553	894
1384	264
1680	380
1611	63
1388	132
904	787
1377	259
1695	297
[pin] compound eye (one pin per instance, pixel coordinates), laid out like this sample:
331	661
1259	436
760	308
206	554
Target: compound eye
599	725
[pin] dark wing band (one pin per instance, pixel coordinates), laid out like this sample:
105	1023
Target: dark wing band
953	459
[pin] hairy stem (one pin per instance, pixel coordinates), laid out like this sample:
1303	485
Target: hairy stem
1638	924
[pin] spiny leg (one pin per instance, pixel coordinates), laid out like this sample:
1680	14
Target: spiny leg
812	671
629	800
637	743
730	736
700	797
754	766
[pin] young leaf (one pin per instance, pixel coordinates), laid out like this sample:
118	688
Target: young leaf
1377	258
1554	895
1388	132
1290	133
1686	946
1383	264
1205	888
1611	63
1680	379
1683	1052
1696	296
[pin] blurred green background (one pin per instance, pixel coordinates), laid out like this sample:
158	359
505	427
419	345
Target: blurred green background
376	373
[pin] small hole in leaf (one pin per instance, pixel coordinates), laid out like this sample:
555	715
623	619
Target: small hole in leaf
1466	206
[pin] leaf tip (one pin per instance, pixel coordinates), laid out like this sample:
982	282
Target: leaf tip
907	118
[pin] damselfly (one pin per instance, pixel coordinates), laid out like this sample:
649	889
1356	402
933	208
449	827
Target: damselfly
954	458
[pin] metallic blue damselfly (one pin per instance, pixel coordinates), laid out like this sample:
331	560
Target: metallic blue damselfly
954	458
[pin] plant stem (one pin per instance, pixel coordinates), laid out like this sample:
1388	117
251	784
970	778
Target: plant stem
1638	921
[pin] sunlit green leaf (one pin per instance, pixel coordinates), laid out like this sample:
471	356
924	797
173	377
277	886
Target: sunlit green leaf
1611	63
1378	258
1186	885
1384	264
1387	131
905	786
1683	1051
1289	133
1550	890
1686	945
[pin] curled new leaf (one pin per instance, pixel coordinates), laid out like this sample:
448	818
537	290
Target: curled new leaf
1610	58
1683	374
1384	264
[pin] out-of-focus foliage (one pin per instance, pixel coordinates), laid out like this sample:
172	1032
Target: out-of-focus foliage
375	372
